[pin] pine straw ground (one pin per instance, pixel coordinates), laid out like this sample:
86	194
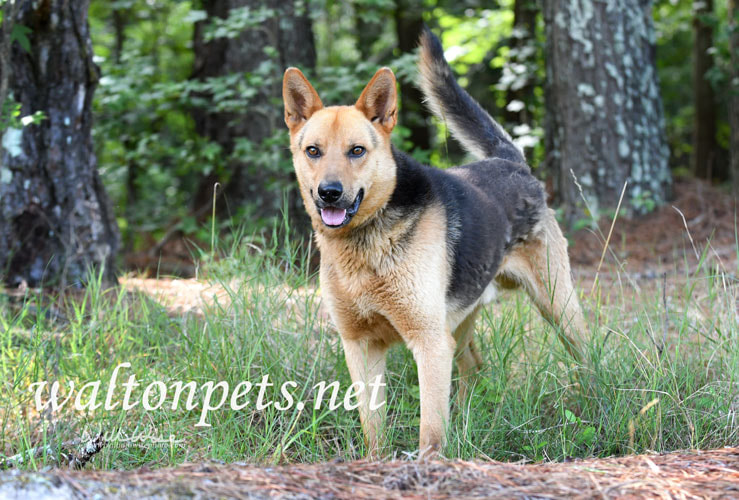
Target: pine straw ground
696	474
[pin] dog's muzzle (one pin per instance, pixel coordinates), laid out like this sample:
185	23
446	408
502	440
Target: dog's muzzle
339	214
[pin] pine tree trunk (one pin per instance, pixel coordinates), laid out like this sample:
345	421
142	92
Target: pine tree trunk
290	33
368	30
604	111
703	158
55	219
524	35
408	26
734	98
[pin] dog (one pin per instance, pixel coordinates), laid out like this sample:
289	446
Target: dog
412	253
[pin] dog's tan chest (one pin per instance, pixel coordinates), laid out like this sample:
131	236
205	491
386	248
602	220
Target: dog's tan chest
376	294
357	304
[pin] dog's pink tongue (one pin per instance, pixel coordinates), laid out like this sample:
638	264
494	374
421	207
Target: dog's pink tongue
333	216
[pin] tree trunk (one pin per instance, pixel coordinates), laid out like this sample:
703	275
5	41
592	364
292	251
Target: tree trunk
55	219
524	36
734	94
408	25
703	158
290	33
120	20
368	30
604	111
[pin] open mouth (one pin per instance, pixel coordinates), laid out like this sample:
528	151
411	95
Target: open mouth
334	216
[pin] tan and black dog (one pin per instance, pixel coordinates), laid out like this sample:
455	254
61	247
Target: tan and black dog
411	253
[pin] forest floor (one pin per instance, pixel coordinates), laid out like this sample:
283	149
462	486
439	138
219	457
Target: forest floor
695	474
641	251
699	218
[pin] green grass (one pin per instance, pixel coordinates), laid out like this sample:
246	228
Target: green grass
531	404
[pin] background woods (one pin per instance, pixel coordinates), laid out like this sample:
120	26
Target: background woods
155	101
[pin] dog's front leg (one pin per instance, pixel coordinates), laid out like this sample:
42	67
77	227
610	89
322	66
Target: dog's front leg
433	351
366	361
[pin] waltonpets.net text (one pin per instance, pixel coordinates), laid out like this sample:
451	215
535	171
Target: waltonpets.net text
211	395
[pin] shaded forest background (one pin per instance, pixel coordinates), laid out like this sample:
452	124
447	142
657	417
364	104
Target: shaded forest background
187	111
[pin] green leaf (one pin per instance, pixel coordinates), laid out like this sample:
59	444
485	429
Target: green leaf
587	436
570	416
19	34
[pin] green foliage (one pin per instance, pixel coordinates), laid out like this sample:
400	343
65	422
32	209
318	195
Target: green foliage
19	33
149	153
673	24
239	19
153	159
530	404
720	75
673	21
643	202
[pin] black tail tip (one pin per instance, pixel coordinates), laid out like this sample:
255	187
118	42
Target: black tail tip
430	42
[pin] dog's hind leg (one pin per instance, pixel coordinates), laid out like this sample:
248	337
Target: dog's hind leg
540	265
366	361
468	357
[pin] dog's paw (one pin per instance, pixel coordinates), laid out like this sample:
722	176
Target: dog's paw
429	453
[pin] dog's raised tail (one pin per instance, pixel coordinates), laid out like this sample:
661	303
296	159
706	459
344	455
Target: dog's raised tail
471	125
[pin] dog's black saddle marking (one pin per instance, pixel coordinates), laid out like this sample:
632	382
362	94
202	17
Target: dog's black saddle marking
490	206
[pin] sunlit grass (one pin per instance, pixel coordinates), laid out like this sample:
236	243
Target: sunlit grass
663	370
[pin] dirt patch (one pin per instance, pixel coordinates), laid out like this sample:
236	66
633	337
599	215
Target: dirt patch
663	237
179	296
697	474
189	295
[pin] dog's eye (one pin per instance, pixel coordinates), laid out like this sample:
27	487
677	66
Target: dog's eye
312	152
357	151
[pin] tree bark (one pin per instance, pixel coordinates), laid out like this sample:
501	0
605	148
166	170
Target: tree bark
703	158
55	220
604	111
524	35
408	26
368	30
290	33
120	20
9	13
734	94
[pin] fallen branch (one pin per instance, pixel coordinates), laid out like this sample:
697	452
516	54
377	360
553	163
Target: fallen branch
65	452
91	449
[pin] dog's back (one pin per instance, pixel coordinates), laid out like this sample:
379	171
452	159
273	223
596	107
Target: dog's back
491	204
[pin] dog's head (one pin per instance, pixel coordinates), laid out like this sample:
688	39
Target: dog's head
342	154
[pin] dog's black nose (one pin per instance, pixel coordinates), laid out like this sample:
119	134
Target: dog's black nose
330	191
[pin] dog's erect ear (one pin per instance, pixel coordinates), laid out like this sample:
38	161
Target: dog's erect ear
379	100
301	99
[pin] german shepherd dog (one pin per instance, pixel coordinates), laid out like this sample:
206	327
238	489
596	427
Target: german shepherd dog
412	253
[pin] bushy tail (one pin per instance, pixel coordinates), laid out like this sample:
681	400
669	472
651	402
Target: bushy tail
476	130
